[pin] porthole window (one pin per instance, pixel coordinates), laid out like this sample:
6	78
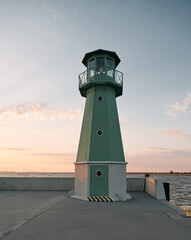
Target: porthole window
99	132
99	173
99	98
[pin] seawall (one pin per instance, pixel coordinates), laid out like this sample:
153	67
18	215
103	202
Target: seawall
153	187
36	184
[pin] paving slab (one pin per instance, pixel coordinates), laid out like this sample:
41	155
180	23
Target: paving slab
19	207
143	217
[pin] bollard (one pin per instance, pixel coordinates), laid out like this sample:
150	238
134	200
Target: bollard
187	209
167	190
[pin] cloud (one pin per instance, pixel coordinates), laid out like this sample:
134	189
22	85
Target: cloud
158	149
39	112
55	158
166	152
15	149
53	23
184	106
57	155
124	121
175	133
159	159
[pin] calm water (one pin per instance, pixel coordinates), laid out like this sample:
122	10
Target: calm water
180	186
180	189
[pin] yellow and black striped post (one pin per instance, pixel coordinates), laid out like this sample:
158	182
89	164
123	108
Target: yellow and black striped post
100	199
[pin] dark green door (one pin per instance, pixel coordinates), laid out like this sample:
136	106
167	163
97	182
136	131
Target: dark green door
99	180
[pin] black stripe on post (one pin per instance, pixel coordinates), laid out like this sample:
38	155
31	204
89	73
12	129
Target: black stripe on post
111	200
103	199
97	199
94	198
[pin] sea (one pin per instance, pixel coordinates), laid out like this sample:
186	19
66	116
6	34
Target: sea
180	186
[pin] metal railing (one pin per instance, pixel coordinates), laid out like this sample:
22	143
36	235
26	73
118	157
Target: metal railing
86	76
118	77
83	78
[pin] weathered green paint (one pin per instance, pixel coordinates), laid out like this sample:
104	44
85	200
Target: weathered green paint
101	115
98	184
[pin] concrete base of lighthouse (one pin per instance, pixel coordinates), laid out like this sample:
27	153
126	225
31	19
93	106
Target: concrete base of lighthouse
101	179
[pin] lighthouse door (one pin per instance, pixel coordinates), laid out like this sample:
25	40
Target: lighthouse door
98	180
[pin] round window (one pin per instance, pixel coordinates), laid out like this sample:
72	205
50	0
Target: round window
99	98
99	173
100	132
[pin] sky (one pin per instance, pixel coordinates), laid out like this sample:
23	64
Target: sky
42	44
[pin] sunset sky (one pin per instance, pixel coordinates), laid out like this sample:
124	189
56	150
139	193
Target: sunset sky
42	44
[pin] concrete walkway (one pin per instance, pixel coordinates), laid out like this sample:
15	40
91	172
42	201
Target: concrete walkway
44	215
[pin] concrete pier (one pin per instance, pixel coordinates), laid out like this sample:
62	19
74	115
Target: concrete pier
48	215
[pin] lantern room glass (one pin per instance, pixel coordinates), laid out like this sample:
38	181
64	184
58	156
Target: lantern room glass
91	70
100	65
110	67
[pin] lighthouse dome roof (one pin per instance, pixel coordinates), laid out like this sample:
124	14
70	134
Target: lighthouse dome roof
101	52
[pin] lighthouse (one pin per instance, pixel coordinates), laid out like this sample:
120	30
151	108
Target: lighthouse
100	167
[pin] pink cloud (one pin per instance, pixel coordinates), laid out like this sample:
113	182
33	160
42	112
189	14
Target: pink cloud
38	111
124	121
159	159
41	111
15	149
184	106
176	133
158	149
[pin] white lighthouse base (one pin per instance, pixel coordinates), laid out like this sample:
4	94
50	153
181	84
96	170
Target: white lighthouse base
114	183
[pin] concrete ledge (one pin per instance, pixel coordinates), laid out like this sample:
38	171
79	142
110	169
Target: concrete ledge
135	184
151	186
155	188
45	184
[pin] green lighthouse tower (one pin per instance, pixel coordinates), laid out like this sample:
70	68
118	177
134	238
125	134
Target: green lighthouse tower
100	167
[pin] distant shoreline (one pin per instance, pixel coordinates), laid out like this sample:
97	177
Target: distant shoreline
45	174
161	173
